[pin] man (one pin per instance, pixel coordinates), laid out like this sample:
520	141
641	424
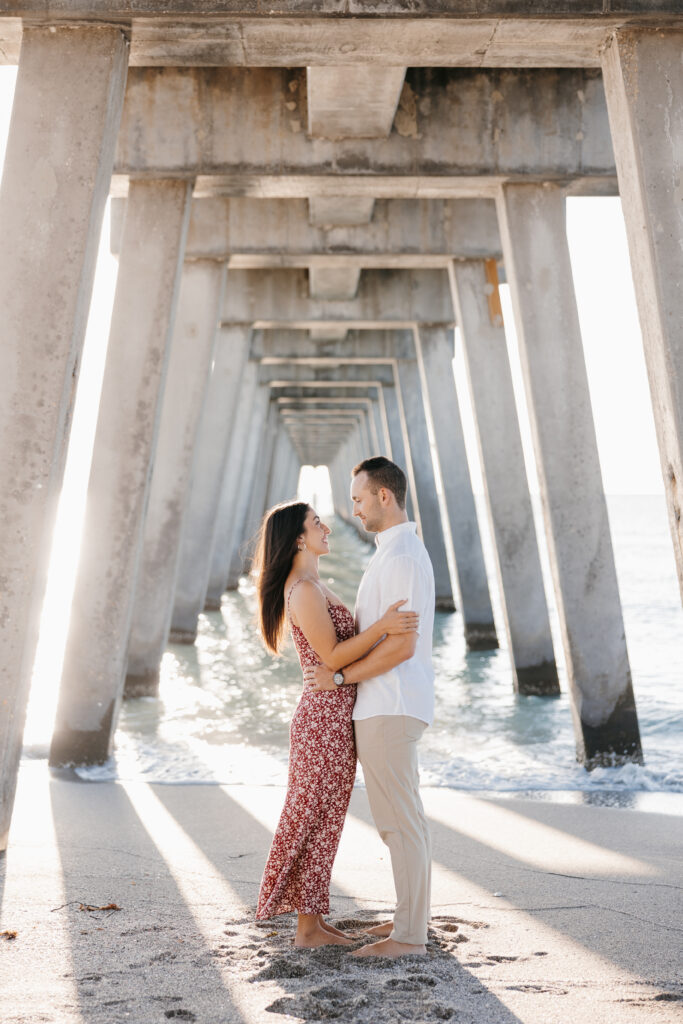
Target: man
395	699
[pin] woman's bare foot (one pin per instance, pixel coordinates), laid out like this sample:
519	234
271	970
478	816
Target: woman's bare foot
315	935
326	926
383	930
389	947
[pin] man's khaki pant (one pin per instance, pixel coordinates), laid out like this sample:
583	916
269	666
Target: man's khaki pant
387	751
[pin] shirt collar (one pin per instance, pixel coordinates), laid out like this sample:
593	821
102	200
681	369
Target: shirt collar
387	535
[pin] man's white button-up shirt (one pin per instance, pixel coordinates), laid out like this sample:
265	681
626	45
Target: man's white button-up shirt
400	568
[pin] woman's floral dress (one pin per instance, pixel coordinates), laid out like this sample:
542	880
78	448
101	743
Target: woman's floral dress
322	769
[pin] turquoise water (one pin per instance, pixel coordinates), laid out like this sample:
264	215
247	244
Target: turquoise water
224	707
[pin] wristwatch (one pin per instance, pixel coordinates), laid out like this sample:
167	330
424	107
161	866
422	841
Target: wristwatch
338	678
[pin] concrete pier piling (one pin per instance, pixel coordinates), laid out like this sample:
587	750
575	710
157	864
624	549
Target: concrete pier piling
518	564
189	371
643	78
211	455
435	351
532	219
66	114
417	436
147	288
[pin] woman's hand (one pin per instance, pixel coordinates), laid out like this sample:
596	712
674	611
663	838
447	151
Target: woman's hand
394	621
318	678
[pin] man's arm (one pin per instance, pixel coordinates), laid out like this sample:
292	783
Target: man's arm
389	653
403	572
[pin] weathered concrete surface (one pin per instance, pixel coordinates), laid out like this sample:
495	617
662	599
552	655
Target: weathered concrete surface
416	438
212	448
518	564
67	107
123	454
256	233
586	927
352	103
472	129
340	283
534	34
233	484
382	298
579	542
347	375
435	351
644	79
335	212
189	370
292	346
248	469
259	478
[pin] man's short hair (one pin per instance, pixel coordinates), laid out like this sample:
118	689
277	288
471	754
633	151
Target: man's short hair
383	472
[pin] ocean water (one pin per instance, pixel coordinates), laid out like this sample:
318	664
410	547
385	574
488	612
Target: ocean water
224	706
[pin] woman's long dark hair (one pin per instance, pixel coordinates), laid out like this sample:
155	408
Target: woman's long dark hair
275	551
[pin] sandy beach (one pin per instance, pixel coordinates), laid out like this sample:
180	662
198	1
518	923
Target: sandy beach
543	913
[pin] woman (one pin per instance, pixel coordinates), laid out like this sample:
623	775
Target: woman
322	758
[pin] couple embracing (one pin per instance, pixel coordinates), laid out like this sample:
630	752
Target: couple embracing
368	692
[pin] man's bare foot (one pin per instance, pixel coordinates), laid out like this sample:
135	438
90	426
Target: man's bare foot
326	926
318	936
390	947
383	930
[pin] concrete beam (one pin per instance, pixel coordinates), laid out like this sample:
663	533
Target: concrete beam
391	298
352	103
377	375
339	212
553	33
471	131
60	152
273	348
257	233
336	283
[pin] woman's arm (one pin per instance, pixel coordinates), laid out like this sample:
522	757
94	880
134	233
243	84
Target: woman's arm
309	605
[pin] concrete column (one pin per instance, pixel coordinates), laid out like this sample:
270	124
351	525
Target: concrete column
435	350
380	437
425	497
474	286
262	473
200	521
157	215
188	375
643	78
279	468
400	454
537	261
234	485
250	464
339	495
66	114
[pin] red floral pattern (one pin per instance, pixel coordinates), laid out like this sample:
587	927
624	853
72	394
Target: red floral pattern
322	769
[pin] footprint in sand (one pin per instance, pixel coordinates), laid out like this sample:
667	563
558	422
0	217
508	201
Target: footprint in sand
403	984
281	967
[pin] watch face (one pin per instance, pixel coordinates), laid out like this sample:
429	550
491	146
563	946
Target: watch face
338	678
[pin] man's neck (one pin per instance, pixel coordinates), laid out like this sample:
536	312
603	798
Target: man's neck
401	517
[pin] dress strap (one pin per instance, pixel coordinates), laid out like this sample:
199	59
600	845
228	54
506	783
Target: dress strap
303	579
